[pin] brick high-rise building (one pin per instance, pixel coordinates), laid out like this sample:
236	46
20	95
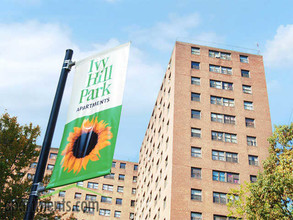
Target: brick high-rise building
207	134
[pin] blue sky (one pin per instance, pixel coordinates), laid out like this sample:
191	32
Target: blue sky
35	33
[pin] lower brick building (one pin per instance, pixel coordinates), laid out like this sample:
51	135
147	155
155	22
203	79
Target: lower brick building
115	194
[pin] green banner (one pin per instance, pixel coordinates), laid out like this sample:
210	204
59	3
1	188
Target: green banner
89	137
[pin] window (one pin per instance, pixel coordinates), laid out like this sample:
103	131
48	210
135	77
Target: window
108	187
222	101
195	80
196	173
62	194
77	195
121	177
131	216
226	137
221	85
195	114
226	70
196	216
134	179
253	160
122	165
133	191
117	214
216	69
195	50
60	206
113	164
249	122
106	199
221	217
53	156
220	198
79	183
218	136
232	157
33	165
221	69
166	161
118	201
218	155
75	208
251	141
109	176
232	177
217	117
253	178
225	177
195	65
105	212
220	55
246	89
135	167
216	84
231	138
120	189
50	167
245	73
90	197
92	185
248	105
227	119
195	97
196	194
90	210
195	152
243	59
196	132
132	203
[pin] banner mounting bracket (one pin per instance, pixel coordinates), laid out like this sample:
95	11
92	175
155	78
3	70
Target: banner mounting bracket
68	64
40	188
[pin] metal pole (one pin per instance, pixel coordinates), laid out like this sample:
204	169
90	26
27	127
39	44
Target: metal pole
40	170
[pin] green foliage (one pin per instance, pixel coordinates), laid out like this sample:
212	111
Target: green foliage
18	149
271	196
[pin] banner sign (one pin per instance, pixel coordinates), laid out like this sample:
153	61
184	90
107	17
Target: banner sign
89	137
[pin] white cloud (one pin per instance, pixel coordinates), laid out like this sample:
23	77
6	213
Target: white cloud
163	34
279	50
31	56
142	82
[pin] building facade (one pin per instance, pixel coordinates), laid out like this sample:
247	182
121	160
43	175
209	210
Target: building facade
115	194
207	134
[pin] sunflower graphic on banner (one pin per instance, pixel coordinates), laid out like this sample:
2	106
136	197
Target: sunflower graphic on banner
87	146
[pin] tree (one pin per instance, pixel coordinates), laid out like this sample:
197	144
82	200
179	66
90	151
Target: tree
18	149
271	196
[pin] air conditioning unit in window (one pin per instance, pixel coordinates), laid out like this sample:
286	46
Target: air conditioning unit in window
169	66
217	55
